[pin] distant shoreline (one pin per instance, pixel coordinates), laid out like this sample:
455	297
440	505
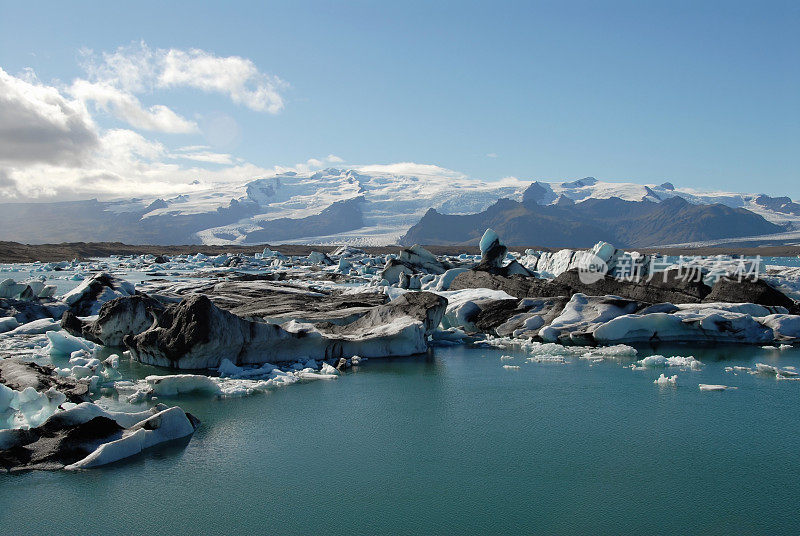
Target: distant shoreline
11	252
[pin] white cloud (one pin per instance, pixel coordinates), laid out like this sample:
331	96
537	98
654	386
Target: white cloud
235	76
128	108
412	169
192	148
126	164
138	68
206	156
491	155
51	148
39	124
315	163
311	164
8	186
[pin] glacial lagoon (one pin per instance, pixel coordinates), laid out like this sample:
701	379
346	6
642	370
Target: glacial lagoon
479	435
452	442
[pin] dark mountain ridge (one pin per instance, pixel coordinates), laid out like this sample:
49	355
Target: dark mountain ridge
623	223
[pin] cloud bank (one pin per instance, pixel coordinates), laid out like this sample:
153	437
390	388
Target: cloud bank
40	125
53	144
139	68
56	142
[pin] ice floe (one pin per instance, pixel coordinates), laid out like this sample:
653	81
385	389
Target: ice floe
660	361
714	387
666	380
86	436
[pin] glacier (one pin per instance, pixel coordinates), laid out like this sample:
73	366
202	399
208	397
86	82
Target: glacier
361	206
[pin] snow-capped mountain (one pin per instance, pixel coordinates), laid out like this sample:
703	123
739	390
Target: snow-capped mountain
779	210
370	205
384	205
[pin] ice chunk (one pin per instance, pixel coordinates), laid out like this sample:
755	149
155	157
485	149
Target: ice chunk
48	291
166	425
616	351
28	408
310	375
37	327
657	361
328	369
585	314
62	343
544	358
714	387
784	326
489	237
7	323
8	407
604	251
344	266
229	370
685	325
93	292
769	370
666	380
316	257
449	337
177	384
444	281
11	289
112	361
463	305
751	309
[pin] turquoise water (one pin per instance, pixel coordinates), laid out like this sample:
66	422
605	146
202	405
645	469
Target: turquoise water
450	443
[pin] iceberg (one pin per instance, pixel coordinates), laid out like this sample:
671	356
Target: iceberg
714	387
666	380
196	334
586	314
657	361
8	323
65	344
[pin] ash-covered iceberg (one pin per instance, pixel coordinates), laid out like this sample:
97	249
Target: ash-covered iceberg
196	334
88	436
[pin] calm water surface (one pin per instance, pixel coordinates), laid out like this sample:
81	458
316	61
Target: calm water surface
454	443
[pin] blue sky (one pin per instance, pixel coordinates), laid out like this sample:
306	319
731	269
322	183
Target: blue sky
703	94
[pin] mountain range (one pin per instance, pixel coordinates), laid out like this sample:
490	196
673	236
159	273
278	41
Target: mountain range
566	223
427	205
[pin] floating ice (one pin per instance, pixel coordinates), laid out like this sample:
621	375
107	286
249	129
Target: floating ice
167	425
585	313
666	380
656	361
112	361
27	408
62	343
714	387
36	327
178	384
769	370
463	305
489	237
7	323
686	325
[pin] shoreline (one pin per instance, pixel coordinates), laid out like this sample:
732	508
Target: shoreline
15	252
